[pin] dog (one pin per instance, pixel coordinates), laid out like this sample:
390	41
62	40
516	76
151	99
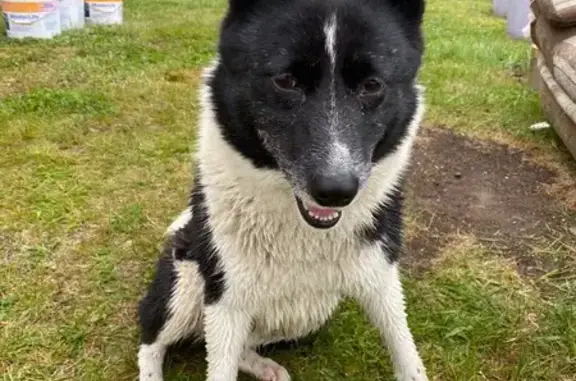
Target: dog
308	116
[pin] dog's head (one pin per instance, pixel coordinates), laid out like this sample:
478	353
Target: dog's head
319	89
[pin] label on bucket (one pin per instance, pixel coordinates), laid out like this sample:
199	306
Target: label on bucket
103	11
26	8
35	20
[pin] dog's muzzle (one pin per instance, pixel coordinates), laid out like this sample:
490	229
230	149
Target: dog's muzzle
329	193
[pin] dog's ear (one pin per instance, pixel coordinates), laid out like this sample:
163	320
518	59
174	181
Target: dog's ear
239	6
243	7
413	10
241	10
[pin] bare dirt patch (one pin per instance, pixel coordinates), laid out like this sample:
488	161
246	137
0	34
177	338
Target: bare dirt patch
457	185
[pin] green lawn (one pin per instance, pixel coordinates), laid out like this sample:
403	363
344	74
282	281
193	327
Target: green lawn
96	128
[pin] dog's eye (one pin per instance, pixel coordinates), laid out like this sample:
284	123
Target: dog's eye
372	86
285	82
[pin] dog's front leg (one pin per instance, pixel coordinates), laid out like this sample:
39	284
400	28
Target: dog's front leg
382	297
226	331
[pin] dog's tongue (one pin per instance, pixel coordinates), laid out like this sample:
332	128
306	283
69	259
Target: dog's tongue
322	212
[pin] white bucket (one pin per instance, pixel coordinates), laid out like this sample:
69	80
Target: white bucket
500	7
31	18
103	11
518	18
71	14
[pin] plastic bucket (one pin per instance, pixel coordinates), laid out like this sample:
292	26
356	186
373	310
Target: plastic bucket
31	18
518	16
500	7
71	14
103	11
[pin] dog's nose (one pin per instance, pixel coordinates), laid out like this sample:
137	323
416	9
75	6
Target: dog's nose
334	190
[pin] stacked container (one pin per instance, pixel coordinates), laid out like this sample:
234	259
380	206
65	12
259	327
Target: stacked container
48	18
31	18
71	14
104	11
500	7
518	18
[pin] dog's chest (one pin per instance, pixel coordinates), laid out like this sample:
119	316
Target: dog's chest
287	275
287	301
288	278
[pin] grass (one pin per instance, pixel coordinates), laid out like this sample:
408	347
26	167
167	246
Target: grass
96	128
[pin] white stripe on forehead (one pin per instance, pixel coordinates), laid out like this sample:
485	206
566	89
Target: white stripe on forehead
339	154
330	32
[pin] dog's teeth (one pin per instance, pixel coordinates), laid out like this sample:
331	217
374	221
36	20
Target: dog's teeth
329	218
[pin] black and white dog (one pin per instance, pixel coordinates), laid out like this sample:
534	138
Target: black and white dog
308	119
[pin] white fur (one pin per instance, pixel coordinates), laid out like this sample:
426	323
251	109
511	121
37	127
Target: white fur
330	33
185	318
340	157
226	329
262	368
150	360
183	306
179	222
284	279
382	297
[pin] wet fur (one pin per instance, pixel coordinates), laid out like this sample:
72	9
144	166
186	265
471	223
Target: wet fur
241	268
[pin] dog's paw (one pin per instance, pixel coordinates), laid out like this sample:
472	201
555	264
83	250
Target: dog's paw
418	374
274	372
414	378
271	371
263	368
150	376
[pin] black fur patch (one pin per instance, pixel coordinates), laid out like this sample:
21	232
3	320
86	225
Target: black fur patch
194	243
153	308
388	227
262	39
236	123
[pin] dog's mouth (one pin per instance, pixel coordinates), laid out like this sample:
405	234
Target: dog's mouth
318	217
